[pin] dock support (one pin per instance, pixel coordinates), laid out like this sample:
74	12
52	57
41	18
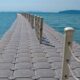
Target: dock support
32	21
41	29
67	52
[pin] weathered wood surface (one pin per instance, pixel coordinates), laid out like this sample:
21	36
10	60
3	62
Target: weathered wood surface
22	57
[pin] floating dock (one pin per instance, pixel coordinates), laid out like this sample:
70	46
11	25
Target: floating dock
22	57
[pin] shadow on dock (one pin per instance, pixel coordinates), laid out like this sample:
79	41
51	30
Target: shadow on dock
46	42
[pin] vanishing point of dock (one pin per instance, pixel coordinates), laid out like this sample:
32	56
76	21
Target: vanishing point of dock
24	57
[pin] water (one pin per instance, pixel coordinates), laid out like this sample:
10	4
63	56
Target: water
60	21
54	20
6	20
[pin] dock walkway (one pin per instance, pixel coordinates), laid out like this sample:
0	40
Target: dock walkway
22	57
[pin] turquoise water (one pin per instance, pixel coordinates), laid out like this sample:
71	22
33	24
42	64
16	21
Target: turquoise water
60	21
6	20
54	20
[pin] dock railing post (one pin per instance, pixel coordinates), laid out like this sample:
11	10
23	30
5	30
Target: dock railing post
38	31
29	17
26	16
41	29
67	52
32	21
36	26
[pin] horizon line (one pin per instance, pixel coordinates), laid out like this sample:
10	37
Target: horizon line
39	11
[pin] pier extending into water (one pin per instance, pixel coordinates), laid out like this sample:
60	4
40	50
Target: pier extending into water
30	50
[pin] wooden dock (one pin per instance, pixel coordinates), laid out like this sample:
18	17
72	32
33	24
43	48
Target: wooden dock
22	57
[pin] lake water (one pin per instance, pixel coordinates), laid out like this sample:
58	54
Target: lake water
54	20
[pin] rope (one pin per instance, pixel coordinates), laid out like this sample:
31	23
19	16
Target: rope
72	73
78	60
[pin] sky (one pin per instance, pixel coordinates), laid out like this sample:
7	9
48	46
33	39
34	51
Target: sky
39	5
